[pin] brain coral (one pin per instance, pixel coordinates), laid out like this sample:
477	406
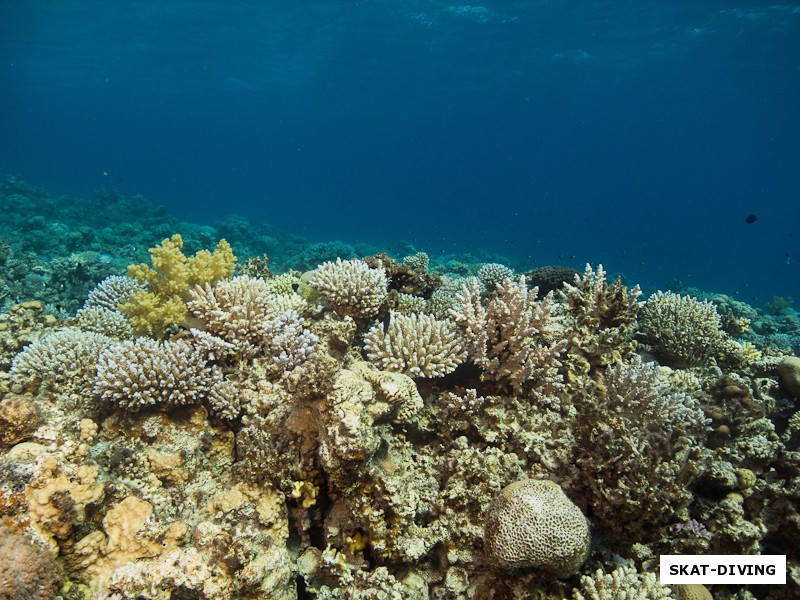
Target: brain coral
351	287
532	524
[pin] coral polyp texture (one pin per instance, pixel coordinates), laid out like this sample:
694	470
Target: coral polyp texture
375	428
351	287
533	525
417	345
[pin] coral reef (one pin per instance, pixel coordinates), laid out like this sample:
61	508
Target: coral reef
277	442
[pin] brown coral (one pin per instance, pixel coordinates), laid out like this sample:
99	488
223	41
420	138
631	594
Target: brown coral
27	568
417	345
507	338
533	525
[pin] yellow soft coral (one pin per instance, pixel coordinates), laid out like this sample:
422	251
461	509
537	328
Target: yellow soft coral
168	283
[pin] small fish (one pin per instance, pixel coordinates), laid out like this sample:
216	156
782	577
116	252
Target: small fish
750	219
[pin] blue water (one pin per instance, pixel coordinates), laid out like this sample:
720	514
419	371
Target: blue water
637	134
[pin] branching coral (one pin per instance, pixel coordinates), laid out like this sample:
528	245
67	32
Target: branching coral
291	344
103	320
351	287
493	274
237	311
507	337
603	318
623	582
111	292
145	372
168	282
417	345
64	356
635	438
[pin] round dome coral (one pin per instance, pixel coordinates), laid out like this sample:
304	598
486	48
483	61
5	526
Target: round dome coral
533	525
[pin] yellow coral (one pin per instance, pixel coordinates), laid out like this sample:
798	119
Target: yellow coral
168	283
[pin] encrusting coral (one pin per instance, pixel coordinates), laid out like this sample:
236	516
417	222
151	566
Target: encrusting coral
27	568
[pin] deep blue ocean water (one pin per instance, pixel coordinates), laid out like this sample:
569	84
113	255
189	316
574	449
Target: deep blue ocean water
636	134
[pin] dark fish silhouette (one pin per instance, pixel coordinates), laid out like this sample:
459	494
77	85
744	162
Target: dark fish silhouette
750	219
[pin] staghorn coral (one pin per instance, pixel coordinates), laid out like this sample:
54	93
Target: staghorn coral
533	525
168	282
507	337
603	319
145	372
66	356
416	345
351	287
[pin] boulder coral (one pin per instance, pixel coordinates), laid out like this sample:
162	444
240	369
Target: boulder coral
533	525
168	281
